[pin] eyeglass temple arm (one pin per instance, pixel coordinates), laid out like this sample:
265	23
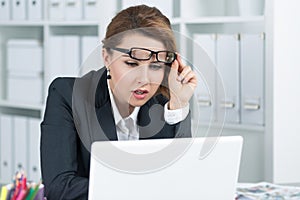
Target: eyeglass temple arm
120	49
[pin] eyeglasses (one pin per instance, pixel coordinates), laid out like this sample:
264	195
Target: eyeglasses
142	54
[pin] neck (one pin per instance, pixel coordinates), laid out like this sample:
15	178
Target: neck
124	108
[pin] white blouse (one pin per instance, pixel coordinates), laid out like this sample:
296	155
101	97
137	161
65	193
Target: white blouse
127	128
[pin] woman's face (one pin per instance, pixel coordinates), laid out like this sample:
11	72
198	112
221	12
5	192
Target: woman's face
134	82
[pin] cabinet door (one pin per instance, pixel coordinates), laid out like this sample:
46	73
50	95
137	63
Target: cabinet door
252	78
34	171
6	142
204	64
228	67
20	143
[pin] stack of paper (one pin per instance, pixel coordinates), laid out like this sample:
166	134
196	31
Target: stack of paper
263	191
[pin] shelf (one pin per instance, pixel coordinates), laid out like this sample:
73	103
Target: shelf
244	127
223	20
16	105
175	21
21	23
51	23
72	23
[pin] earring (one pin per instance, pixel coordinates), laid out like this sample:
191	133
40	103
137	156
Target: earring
108	76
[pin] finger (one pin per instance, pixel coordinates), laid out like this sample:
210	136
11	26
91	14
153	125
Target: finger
174	70
186	70
180	62
190	78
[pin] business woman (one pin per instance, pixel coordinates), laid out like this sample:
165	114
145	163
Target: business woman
142	69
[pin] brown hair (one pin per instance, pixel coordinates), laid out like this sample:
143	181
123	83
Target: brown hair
143	20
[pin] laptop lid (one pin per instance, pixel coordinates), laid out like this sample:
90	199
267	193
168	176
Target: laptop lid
165	169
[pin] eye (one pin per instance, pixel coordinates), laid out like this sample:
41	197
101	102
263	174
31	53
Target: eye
131	63
155	66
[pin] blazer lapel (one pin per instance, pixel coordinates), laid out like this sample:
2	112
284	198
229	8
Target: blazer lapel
103	109
151	120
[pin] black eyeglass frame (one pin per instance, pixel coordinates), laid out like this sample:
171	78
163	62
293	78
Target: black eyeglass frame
129	51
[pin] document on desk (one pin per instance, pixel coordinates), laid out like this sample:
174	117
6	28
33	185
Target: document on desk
266	190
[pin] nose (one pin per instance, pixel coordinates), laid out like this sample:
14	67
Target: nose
142	75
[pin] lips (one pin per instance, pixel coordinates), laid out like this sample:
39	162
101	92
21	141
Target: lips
140	93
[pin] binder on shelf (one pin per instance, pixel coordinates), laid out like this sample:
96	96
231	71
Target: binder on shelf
4	10
20	143
24	56
34	149
6	147
35	9
24	88
19	9
56	9
228	67
56	59
91	9
252	78
204	65
64	57
71	55
90	51
165	6
73	10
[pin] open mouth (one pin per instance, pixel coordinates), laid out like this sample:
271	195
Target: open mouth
139	92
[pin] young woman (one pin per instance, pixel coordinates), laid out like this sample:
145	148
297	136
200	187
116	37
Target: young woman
142	69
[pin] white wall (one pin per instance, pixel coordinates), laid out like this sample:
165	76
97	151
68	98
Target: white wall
286	91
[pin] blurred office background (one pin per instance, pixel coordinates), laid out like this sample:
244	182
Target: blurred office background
244	51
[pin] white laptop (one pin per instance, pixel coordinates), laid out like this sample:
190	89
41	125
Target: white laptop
165	169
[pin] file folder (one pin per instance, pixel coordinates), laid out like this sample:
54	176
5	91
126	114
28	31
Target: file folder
35	9
64	58
91	9
71	55
20	143
73	10
56	59
6	147
91	58
4	10
18	87
252	78
24	56
19	9
56	9
34	149
204	64
228	67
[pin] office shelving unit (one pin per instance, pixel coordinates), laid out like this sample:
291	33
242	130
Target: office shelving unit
187	17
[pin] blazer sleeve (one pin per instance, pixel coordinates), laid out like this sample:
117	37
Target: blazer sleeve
59	143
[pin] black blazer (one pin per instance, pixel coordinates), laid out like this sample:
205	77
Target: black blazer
78	112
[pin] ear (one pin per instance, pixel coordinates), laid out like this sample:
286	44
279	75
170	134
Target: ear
106	57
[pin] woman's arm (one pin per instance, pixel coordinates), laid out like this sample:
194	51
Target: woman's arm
59	148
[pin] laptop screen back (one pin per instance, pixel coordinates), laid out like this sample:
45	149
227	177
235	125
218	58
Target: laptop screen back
185	176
